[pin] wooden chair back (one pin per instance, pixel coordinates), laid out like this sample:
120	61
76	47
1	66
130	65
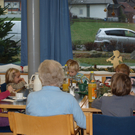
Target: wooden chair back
35	125
98	124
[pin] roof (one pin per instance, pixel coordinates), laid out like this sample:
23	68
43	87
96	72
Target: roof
114	6
127	7
82	2
130	2
116	29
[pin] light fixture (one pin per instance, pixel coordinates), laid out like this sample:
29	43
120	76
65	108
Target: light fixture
105	10
113	13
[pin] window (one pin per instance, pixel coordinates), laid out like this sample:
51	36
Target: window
86	29
129	34
81	12
115	32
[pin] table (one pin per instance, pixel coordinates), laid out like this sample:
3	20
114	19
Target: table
82	100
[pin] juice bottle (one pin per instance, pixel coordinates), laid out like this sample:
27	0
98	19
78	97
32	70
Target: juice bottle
92	87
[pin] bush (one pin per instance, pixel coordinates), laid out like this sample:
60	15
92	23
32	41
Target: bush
89	46
8	49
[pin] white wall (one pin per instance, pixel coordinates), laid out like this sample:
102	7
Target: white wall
97	11
75	10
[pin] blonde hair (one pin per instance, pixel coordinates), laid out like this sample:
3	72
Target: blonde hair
69	62
74	65
51	73
10	75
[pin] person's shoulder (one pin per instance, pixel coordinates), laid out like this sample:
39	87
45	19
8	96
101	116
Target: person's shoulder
33	94
68	96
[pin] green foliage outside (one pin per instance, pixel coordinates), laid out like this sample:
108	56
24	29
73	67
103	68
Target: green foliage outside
122	17
8	50
83	31
99	58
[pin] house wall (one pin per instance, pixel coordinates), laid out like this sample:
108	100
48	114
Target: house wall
2	3
79	10
97	11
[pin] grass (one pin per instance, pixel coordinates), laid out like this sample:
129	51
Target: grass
100	61
86	60
15	19
84	32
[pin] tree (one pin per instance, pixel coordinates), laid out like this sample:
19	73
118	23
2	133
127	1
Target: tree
8	48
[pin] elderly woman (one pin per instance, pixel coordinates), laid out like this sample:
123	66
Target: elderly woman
50	100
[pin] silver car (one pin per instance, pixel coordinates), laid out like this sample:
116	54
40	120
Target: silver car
121	39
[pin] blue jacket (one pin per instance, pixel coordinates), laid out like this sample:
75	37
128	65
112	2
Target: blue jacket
52	101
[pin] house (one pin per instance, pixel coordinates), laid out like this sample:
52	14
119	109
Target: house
128	10
14	6
116	9
89	8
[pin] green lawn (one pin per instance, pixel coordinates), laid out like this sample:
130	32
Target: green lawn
83	32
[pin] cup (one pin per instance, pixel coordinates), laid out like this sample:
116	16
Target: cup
19	95
30	88
65	86
82	87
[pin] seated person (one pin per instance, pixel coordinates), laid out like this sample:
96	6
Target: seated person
68	62
4	120
50	100
121	104
73	70
122	68
13	78
3	87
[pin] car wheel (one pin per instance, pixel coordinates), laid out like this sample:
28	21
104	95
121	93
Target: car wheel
107	47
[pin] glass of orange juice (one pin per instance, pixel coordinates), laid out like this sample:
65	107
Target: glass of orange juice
65	86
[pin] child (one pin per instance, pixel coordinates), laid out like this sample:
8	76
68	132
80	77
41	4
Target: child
121	104
73	70
68	62
13	78
122	68
4	120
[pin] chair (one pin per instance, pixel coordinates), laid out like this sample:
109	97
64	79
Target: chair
35	125
3	87
98	124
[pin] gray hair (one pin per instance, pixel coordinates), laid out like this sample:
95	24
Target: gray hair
51	73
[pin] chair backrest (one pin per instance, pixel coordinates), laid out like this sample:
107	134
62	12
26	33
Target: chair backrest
98	124
35	125
3	87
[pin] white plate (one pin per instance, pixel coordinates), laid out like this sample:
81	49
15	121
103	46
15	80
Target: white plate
13	97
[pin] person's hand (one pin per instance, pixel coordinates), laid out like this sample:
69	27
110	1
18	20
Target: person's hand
132	93
22	79
10	88
107	80
132	80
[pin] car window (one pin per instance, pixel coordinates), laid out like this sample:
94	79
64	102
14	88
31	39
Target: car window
98	32
115	32
129	33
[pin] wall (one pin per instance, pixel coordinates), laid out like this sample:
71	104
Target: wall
97	11
2	3
75	10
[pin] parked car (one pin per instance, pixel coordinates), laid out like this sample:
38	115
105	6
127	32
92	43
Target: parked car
109	39
16	32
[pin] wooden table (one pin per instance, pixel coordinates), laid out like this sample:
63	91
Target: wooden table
83	102
11	105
